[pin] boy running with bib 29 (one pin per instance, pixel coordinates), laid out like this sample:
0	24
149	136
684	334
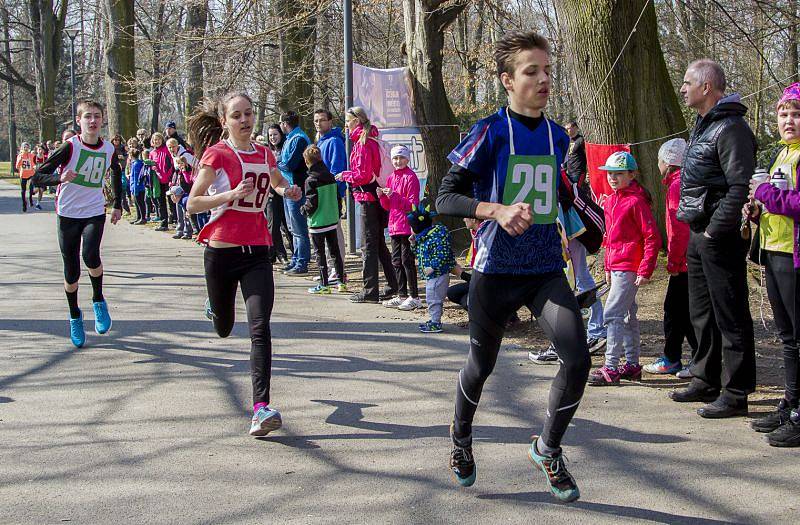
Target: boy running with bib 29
77	168
505	172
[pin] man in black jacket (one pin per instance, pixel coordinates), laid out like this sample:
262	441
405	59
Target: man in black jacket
720	161
576	156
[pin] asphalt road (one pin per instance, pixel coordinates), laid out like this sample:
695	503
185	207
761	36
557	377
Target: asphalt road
149	423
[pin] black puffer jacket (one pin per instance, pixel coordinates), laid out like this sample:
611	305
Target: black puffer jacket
576	160
720	160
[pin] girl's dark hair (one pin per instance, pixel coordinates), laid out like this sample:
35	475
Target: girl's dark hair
204	127
134	152
277	128
118	137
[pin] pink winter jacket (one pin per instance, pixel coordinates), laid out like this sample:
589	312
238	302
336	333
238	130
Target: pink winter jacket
678	232
365	164
163	159
405	193
632	240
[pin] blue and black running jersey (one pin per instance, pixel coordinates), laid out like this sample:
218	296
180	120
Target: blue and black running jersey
485	152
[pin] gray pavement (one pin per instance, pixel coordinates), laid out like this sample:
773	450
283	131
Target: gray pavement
148	424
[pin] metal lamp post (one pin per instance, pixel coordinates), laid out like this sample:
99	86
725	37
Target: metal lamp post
347	12
72	34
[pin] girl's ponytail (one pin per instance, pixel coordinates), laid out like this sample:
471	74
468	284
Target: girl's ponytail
361	114
204	126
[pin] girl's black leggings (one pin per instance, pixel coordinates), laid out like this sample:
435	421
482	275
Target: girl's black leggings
492	300
226	269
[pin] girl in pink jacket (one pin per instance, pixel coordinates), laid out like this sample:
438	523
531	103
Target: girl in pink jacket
632	242
399	195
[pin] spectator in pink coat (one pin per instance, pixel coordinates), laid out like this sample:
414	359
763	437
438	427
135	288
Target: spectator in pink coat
365	166
399	195
163	167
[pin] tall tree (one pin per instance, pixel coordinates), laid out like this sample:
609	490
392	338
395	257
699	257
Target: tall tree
196	20
12	118
425	25
297	58
120	78
47	34
637	101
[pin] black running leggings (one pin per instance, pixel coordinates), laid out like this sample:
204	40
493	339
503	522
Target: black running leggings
24	188
249	266
492	300
320	239
70	234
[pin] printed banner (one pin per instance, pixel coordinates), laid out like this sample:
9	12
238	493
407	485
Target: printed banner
385	94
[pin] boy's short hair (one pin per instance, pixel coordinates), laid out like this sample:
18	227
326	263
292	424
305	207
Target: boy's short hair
312	155
172	142
325	112
291	118
507	48
789	104
87	103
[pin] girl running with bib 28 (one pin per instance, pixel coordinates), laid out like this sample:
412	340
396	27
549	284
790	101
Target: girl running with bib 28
505	172
77	168
233	182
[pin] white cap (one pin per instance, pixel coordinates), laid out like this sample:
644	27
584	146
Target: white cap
401	151
672	152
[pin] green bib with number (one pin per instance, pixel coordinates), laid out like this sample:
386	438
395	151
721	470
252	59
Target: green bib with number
532	179
90	167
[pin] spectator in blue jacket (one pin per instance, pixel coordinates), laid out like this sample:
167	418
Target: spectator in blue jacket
293	168
330	141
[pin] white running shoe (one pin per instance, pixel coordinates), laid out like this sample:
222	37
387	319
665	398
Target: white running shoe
394	302
411	303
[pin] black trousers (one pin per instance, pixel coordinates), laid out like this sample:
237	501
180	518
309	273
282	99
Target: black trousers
141	207
24	187
783	283
80	237
492	301
677	321
373	247
718	303
459	294
226	269
162	204
276	220
405	267
319	240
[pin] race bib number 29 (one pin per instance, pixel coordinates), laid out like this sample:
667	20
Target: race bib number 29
532	179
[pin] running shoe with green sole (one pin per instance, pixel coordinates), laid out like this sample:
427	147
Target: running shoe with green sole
462	463
562	484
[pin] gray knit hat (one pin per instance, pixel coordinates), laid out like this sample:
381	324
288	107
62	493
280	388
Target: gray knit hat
672	152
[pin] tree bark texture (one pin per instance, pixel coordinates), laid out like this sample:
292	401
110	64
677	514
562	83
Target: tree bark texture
297	60
120	78
47	29
196	20
638	101
12	116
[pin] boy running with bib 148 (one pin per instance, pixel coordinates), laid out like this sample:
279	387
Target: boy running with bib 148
505	172
77	168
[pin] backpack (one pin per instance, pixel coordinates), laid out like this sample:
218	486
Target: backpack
386	162
591	215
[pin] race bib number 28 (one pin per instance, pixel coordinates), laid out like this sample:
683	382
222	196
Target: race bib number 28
532	179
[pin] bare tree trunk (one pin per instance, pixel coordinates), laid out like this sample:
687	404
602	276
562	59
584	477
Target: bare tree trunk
196	20
638	101
297	57
12	116
47	35
156	82
794	32
123	117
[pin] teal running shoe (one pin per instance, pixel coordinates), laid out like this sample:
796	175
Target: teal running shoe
102	319
462	463
209	313
76	331
265	421
561	482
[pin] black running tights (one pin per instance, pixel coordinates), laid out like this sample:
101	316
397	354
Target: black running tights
492	300
249	266
71	234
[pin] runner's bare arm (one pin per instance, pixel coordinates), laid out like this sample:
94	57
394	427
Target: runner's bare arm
282	186
198	200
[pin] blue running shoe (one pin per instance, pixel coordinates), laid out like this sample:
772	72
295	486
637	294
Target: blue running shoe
209	313
429	327
462	463
76	331
560	481
662	365
102	320
265	421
